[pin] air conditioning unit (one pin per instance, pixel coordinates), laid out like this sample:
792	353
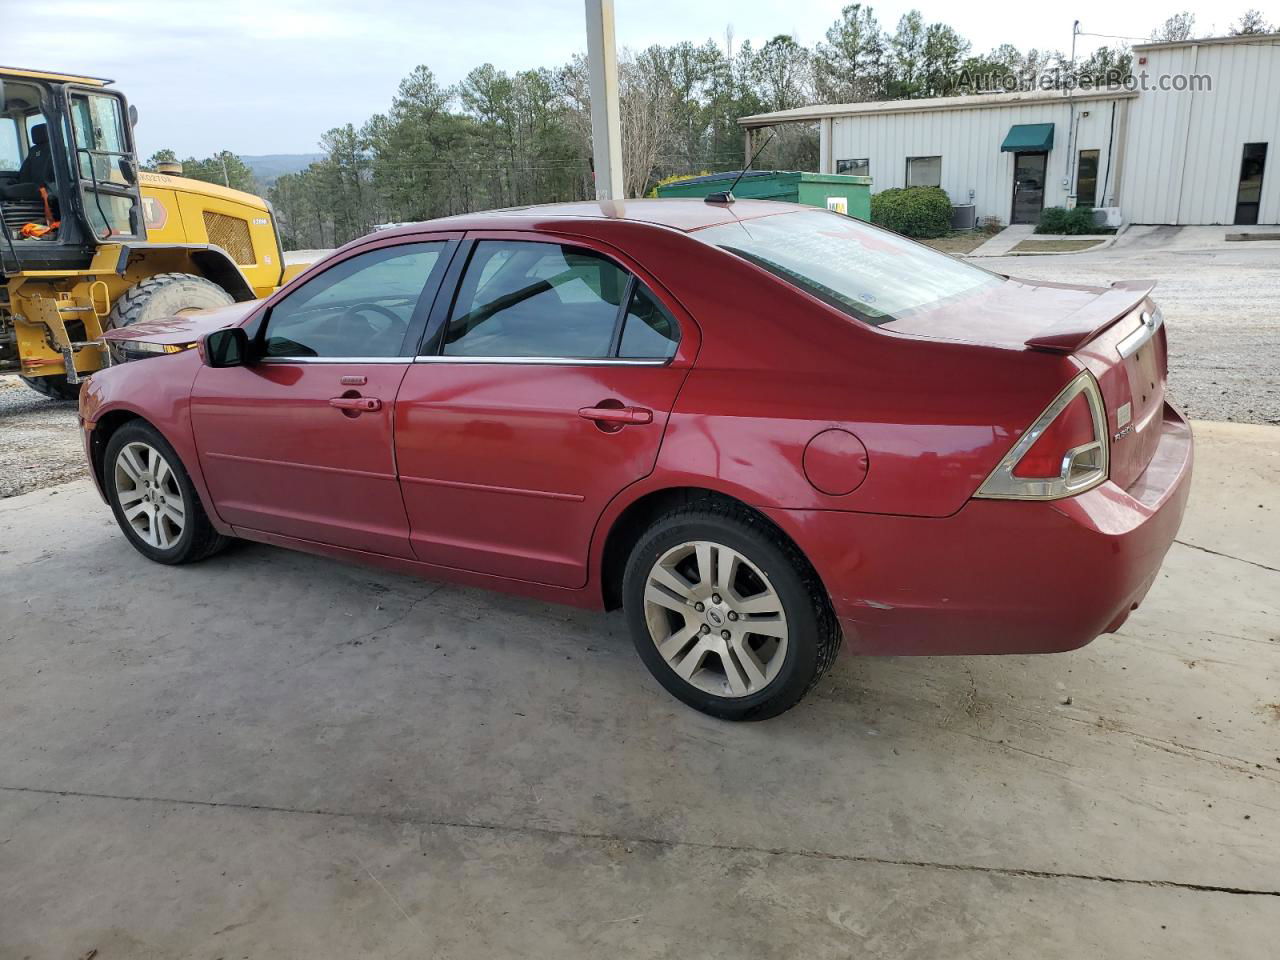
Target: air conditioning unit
964	216
1106	216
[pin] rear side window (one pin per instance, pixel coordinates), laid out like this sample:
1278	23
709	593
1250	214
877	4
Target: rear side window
522	299
360	308
648	331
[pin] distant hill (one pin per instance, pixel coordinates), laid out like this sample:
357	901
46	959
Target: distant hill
272	165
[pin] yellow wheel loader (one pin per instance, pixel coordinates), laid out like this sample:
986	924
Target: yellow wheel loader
91	241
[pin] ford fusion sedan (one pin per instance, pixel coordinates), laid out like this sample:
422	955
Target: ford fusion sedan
761	430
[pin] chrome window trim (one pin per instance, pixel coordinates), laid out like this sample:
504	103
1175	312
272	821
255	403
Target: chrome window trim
555	361
1001	484
1151	322
334	360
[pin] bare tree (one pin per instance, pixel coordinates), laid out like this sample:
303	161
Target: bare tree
647	105
1177	27
1251	21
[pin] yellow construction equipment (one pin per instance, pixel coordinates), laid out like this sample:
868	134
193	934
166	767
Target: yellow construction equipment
91	241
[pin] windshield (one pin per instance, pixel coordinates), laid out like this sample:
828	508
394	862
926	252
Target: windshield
870	274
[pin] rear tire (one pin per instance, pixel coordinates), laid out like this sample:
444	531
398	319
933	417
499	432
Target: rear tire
726	613
164	295
153	498
54	386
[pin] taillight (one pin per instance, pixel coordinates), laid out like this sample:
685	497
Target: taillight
1071	429
1063	453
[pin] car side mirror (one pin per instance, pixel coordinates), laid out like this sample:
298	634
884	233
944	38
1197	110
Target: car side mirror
133	115
226	348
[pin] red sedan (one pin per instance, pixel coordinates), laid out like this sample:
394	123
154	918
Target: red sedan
759	429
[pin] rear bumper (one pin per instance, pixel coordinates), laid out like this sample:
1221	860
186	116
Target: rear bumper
1001	576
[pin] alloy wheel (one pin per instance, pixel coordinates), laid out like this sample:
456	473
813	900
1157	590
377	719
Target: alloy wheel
149	495
716	619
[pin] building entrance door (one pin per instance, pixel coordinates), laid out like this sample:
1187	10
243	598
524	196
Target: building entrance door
1028	186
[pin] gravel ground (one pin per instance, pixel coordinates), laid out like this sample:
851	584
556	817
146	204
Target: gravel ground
41	444
1222	305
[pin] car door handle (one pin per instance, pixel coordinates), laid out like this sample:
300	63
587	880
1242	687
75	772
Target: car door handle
619	415
357	404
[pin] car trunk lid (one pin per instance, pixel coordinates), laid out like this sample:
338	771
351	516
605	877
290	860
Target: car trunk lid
1114	332
1129	359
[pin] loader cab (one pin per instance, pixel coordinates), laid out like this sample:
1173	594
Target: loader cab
68	170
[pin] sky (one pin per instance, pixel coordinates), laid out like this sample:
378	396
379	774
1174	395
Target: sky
270	76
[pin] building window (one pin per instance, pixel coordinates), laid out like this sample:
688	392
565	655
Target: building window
1253	163
924	171
855	168
1087	179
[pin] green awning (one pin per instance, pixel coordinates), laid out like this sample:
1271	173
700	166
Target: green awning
1028	138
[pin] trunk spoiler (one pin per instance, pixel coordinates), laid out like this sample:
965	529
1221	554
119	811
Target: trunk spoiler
1075	330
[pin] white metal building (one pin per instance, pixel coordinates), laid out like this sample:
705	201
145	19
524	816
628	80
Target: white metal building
1170	150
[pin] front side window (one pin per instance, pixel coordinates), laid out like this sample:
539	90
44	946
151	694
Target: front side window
525	299
870	274
924	171
360	308
855	168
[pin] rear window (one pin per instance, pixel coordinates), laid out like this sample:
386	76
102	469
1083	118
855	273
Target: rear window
870	274
10	155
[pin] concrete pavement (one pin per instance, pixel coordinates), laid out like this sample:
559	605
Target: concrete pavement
272	756
1005	240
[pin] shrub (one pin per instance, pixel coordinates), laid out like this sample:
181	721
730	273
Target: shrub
674	178
1080	220
1052	220
923	212
1070	222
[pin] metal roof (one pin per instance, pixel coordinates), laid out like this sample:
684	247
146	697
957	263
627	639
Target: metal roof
1249	39
971	102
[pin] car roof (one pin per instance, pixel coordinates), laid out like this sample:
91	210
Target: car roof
681	214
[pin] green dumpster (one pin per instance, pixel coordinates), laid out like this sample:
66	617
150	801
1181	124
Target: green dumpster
835	191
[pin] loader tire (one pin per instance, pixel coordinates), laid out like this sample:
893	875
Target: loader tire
54	386
165	295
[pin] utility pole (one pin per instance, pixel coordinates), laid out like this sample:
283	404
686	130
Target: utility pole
1070	185
606	130
226	177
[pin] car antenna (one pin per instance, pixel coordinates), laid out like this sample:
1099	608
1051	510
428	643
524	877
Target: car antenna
727	195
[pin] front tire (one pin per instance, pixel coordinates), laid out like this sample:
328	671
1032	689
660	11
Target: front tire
153	498
726	613
165	295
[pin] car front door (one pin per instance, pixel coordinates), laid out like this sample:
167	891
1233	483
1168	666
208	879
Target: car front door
543	390
299	442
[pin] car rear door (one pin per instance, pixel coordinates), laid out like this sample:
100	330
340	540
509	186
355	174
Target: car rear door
299	443
543	389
